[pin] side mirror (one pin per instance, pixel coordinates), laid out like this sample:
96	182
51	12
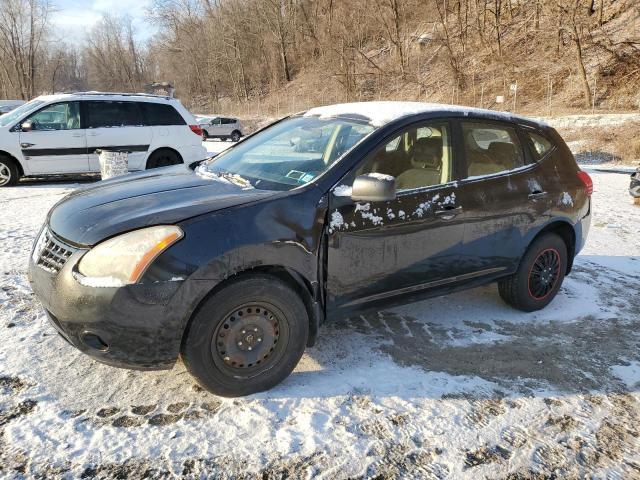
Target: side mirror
374	187
26	127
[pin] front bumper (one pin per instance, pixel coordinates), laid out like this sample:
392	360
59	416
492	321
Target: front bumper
140	325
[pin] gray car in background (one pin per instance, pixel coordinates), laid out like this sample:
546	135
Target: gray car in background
220	127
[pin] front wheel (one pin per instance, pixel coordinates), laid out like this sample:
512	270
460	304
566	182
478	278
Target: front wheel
247	337
8	172
539	276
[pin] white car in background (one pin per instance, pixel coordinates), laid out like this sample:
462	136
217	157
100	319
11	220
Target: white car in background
214	126
59	134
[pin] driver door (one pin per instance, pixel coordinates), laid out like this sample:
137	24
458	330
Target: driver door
383	249
55	143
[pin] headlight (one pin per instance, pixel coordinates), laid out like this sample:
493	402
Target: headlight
124	259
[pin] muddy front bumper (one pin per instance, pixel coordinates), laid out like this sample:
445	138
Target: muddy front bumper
135	326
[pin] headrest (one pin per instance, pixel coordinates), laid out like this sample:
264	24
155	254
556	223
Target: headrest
502	150
431	146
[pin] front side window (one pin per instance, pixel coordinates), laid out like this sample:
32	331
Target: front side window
105	114
58	116
490	149
16	114
418	157
290	153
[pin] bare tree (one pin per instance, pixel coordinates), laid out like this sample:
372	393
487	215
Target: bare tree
23	24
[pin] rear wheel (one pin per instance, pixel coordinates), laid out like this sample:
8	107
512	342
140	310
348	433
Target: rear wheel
163	158
235	136
205	135
246	338
539	276
9	173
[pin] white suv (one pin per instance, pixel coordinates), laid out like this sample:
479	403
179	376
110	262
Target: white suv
220	127
59	134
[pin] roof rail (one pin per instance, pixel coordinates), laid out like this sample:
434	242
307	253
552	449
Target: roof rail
123	94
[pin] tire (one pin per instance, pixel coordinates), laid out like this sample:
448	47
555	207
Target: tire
247	337
205	135
539	276
9	173
163	158
235	136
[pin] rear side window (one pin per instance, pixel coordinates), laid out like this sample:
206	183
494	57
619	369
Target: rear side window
490	148
541	145
158	114
101	114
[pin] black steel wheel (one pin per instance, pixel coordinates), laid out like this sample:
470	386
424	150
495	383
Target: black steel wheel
247	341
247	337
539	276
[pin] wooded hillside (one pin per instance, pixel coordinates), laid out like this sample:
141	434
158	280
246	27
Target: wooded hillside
274	56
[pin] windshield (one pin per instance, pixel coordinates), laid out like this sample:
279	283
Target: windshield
291	153
14	115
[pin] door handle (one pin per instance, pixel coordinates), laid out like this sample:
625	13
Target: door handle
537	194
77	135
93	134
27	145
448	212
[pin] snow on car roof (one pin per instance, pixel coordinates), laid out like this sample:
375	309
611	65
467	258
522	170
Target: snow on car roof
382	112
106	96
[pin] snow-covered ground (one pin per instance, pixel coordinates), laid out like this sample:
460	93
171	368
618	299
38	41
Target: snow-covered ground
454	387
216	146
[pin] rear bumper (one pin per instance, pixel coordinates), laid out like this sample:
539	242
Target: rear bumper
582	230
135	326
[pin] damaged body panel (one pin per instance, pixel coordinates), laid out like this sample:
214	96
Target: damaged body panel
473	191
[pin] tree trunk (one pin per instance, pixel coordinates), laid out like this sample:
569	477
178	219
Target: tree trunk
580	62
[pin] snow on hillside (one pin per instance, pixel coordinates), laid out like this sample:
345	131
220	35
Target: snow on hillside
455	387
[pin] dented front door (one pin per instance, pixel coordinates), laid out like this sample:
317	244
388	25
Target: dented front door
377	250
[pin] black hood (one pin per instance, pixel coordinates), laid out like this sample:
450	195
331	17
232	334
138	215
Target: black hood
159	196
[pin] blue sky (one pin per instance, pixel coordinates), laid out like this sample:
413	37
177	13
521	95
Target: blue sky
74	18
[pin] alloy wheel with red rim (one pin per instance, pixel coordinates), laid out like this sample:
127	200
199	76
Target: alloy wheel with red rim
544	274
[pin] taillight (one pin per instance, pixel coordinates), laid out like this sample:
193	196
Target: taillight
196	129
588	183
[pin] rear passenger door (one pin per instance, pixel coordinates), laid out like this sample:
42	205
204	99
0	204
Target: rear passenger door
116	124
169	128
504	196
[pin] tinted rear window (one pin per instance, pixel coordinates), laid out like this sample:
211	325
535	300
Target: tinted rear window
490	148
541	144
161	114
102	114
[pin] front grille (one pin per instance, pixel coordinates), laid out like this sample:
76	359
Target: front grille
54	253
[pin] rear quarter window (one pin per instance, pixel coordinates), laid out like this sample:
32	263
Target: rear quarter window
158	114
540	144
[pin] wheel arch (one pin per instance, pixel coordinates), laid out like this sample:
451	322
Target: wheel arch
287	275
17	162
564	230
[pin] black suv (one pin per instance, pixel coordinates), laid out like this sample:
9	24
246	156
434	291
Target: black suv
234	263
